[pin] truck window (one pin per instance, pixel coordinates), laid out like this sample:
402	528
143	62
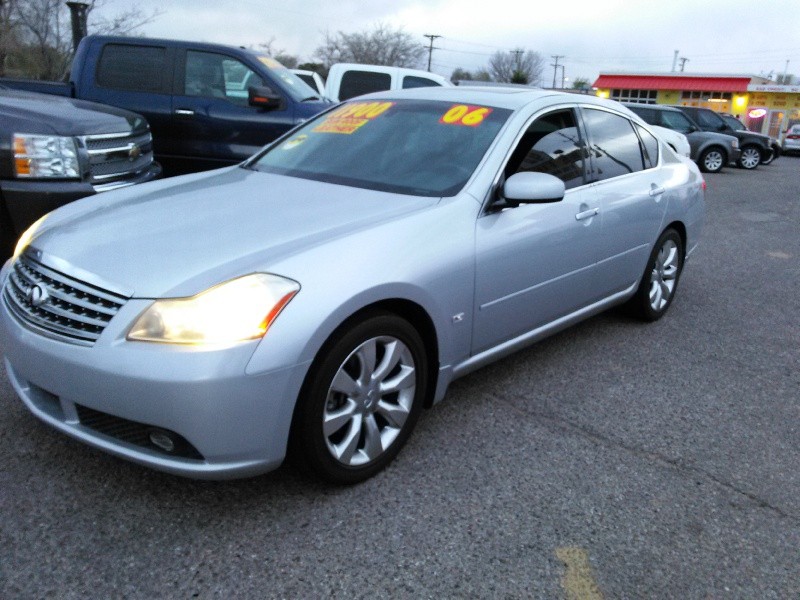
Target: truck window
357	83
412	81
214	75
132	68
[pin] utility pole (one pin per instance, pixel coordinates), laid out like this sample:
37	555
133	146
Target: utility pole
78	12
430	48
555	66
675	60
683	62
562	77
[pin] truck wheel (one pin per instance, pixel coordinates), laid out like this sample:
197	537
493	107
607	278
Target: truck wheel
712	160
750	158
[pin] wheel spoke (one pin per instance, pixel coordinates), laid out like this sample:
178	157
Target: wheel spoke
390	359
343	383
666	292
333	421
373	446
366	357
347	447
405	379
655	295
395	414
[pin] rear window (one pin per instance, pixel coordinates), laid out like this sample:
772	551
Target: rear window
358	83
415	147
132	68
412	81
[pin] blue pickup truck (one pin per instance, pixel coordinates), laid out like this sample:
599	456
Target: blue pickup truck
208	105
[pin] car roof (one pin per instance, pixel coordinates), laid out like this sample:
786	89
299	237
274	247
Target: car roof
500	97
663	107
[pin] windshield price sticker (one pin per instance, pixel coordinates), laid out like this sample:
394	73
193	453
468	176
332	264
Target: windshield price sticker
352	116
464	114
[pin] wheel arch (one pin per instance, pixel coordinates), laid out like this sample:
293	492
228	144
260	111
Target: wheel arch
679	227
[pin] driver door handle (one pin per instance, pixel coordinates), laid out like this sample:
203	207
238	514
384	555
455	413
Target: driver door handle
587	214
186	112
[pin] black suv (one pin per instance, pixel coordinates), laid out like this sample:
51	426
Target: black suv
756	148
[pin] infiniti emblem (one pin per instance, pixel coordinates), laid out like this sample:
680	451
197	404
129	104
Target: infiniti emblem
37	294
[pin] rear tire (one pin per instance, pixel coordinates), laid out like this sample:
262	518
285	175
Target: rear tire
660	279
712	160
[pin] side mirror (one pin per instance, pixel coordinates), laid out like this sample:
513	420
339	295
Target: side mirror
533	188
263	97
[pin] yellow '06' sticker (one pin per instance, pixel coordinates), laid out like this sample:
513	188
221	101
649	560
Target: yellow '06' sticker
464	114
352	116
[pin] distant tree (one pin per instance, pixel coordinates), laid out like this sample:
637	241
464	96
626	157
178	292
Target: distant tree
381	46
517	66
287	60
37	35
581	83
460	74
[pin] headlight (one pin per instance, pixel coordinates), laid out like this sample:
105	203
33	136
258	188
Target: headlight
45	156
27	236
234	311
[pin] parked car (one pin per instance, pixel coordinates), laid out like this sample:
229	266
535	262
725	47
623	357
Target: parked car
711	151
675	140
208	105
348	80
319	295
736	125
756	148
54	150
791	139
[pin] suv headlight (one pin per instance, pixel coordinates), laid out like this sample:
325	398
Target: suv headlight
45	156
234	311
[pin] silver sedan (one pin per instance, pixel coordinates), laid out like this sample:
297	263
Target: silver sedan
315	298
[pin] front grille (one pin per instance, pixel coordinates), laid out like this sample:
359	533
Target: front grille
57	303
116	157
134	433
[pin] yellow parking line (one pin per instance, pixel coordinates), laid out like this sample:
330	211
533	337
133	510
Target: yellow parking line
578	581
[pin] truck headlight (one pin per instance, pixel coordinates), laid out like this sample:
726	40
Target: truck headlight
234	311
45	156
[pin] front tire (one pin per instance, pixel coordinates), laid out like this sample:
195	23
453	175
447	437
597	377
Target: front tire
362	398
750	158
660	280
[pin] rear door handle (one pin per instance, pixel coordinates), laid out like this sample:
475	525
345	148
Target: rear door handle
587	214
656	191
186	112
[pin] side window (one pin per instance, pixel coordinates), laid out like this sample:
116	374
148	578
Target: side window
132	68
358	83
213	75
615	148
710	120
551	145
650	147
648	115
412	81
677	121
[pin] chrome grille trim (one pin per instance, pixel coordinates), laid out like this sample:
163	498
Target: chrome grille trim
118	156
74	311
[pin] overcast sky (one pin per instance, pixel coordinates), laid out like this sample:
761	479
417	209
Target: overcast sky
735	36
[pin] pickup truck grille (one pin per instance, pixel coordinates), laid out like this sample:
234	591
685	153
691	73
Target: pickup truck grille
58	304
116	157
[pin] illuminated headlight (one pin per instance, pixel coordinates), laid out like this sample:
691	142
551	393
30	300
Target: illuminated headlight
234	311
45	156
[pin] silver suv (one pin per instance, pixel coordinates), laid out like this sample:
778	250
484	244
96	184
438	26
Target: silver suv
711	151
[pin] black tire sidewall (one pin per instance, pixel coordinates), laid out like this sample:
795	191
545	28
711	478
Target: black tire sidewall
641	300
308	438
703	156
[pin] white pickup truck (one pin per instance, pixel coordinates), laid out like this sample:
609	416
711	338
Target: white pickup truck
347	80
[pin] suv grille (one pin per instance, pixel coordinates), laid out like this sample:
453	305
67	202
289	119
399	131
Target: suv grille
59	304
118	156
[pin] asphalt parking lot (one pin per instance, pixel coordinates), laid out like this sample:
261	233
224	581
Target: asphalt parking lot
614	460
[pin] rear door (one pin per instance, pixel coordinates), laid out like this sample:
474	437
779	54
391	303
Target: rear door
630	190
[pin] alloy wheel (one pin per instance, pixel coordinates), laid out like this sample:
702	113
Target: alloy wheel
751	157
664	275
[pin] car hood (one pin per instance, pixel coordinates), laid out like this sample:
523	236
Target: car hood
31	112
181	235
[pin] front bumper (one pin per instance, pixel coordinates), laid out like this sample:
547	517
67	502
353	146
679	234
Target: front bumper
28	199
113	394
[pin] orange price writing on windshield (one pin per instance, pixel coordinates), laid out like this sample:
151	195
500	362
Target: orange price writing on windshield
463	114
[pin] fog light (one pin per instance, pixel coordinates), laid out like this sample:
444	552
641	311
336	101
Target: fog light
162	439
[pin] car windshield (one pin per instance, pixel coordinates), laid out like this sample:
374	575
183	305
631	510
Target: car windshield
734	123
416	147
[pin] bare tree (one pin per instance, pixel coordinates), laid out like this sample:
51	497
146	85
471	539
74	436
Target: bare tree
381	46
460	74
282	56
43	37
517	66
